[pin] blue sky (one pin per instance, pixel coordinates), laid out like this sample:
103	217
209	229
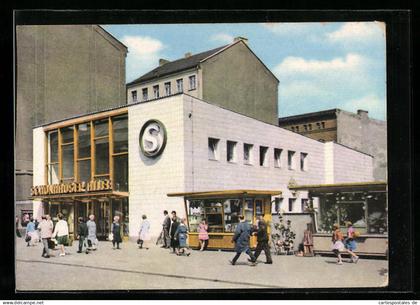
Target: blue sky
320	65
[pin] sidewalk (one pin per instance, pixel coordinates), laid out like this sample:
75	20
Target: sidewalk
156	268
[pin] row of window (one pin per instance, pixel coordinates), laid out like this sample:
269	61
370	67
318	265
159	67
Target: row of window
248	155
192	82
291	207
308	127
91	150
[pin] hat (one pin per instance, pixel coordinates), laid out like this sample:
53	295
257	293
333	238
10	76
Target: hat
336	226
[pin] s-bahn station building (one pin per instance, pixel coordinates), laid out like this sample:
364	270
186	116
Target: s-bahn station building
179	151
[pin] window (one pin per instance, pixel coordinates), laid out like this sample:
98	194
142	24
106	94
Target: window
52	167
168	88
297	128
180	85
310	126
101	148
134	96
145	94
213	149
290	159
248	153
291	204
231	151
156	91
192	82
84	152
278	204
67	153
322	125
318	125
303	161
304	205
263	156
293	128
305	127
277	157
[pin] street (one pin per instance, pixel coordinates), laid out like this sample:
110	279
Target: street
138	269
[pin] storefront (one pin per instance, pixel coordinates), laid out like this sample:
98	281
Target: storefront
363	204
86	171
222	210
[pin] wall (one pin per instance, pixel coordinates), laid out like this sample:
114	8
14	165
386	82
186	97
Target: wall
39	166
62	71
151	179
237	80
364	134
161	82
328	133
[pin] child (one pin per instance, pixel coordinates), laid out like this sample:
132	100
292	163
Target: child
144	232
338	246
203	236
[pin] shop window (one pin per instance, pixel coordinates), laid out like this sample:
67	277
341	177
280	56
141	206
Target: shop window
156	91
259	207
377	214
134	96
120	181
180	85
168	88
231	151
328	215
353	212
213	149
145	94
263	156
232	210
120	133
249	210
277	157
291	204
67	162
291	159
303	161
192	81
248	153
101	156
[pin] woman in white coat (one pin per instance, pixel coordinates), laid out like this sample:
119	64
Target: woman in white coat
144	235
61	233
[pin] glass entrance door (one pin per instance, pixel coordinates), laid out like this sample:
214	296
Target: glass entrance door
103	217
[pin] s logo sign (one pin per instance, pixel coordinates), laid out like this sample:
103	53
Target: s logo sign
152	138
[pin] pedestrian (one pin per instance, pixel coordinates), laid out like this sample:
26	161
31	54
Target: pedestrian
46	229
61	233
338	246
308	241
172	230
181	236
350	242
31	236
82	233
116	233
262	241
17	227
144	236
92	240
165	230
203	235
241	240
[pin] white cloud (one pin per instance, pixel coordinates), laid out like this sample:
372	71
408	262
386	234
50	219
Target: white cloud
143	54
292	65
371	102
289	28
222	37
357	32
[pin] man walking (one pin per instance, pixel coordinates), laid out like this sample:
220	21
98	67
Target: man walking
241	239
165	230
46	227
91	236
262	241
82	233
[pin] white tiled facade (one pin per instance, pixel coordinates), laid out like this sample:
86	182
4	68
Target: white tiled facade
184	164
39	155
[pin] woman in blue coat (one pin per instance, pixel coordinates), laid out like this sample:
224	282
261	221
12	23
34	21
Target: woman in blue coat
181	235
241	240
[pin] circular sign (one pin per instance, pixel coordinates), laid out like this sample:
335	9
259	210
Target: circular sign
152	138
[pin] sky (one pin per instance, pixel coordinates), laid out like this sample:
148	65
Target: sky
320	66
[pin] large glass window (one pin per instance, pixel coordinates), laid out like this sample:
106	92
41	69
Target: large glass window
377	214
120	181
101	128
83	131
101	156
248	157
68	162
120	129
84	170
53	144
213	151
67	134
53	177
263	156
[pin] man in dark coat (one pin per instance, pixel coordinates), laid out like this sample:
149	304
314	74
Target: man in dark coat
165	230
241	240
172	230
262	241
82	233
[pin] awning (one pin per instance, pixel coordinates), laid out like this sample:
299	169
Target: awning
82	196
226	193
342	187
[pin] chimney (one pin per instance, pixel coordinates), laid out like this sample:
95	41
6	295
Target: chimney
188	54
163	61
244	39
362	113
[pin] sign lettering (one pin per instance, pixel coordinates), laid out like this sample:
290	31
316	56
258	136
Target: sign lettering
73	187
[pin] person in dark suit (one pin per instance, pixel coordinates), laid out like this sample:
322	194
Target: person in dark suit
262	241
165	230
172	230
241	240
82	233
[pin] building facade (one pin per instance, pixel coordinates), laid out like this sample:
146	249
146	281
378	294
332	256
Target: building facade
62	70
125	161
356	131
231	76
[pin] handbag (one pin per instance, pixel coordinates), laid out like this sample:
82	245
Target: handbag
110	236
27	238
